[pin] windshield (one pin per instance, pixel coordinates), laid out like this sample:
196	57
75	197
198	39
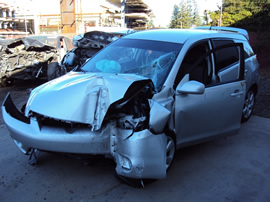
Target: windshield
151	59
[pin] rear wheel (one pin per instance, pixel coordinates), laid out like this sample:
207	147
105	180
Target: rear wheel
248	105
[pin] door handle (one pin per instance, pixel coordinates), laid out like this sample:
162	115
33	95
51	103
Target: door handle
237	93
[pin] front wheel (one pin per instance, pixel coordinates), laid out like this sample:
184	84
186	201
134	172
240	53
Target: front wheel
248	105
170	151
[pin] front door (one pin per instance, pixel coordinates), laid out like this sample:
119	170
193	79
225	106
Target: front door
216	111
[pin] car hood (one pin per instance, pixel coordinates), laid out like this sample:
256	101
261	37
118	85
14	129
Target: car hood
81	97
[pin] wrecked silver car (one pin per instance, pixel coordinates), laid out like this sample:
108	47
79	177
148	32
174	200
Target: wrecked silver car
31	57
137	100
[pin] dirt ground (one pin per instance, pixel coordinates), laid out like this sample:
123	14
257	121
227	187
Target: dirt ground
262	106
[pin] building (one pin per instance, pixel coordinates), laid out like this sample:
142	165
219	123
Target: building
14	21
20	18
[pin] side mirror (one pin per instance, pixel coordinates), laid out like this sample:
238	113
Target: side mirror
191	87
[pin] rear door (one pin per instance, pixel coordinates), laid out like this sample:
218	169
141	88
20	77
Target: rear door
217	111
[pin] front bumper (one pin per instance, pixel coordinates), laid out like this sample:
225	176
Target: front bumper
137	154
27	134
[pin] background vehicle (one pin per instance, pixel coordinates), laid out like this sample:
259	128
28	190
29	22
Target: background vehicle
31	57
86	46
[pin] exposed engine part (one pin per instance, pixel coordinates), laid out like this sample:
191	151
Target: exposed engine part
129	122
133	113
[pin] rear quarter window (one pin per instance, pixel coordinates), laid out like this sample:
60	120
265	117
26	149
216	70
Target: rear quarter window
226	56
247	48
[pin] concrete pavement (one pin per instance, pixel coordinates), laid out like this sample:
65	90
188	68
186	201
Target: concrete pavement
235	168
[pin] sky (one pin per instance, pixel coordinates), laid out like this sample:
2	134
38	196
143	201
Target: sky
163	11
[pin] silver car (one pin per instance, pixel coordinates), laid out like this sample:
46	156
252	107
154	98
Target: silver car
141	98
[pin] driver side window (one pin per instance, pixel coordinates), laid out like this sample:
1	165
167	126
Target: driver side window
196	63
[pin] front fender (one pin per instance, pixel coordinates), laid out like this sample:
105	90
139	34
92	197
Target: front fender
141	156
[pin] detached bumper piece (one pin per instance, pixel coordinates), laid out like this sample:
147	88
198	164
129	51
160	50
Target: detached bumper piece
13	111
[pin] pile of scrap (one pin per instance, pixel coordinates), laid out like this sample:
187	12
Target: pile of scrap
24	58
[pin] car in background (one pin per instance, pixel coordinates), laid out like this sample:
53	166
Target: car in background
140	98
31	57
62	43
86	46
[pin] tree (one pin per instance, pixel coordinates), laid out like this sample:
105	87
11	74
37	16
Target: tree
175	22
196	16
185	15
236	10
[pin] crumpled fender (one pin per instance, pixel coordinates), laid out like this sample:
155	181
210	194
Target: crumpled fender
159	117
141	156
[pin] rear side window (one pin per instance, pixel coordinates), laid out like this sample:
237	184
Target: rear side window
226	56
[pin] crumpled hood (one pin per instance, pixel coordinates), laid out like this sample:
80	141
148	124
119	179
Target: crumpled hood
80	97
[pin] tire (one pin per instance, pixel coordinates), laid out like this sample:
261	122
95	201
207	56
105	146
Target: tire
170	150
248	105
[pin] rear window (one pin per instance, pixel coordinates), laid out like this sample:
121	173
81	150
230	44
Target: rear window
226	56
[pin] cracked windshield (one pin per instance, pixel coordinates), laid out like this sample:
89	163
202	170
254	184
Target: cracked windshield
151	59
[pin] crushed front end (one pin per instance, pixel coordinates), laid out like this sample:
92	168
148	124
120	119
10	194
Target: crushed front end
125	132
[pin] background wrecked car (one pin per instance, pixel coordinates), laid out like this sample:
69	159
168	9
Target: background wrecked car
86	46
31	57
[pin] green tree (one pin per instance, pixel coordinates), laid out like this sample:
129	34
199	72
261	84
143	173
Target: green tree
175	22
185	15
197	21
151	24
237	10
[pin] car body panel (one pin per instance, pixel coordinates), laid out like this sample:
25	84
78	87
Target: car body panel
252	73
218	112
147	155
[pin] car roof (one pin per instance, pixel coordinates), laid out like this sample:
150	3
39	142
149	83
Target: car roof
181	35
